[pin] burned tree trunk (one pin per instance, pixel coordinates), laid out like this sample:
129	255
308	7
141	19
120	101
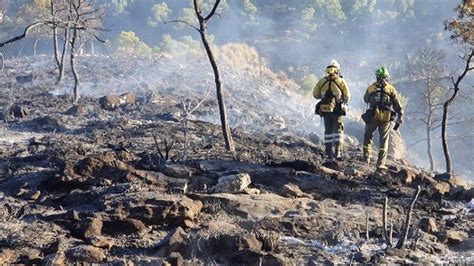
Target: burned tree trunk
203	21
406	225
55	33
63	55
35	44
444	139
73	66
428	142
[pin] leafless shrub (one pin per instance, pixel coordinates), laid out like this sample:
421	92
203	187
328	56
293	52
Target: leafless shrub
164	147
187	110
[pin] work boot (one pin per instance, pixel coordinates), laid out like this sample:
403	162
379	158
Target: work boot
338	153
366	158
329	152
381	166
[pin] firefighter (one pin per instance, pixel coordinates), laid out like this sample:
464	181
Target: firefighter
334	94
384	105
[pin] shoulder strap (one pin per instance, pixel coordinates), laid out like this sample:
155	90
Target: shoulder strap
339	87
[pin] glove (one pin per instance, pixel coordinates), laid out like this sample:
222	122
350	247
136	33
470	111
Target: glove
399	120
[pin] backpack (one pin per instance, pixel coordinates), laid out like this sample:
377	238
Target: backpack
328	103
383	102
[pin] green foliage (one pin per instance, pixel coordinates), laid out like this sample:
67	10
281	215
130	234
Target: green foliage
307	14
249	13
170	45
160	12
187	15
190	43
308	82
128	44
335	12
307	20
403	100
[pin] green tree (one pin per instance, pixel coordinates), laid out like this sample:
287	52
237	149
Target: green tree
128	44
160	13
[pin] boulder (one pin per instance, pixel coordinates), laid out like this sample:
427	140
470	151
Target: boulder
465	245
452	236
178	171
16	112
85	253
128	98
174	241
58	258
175	259
232	183
46	123
109	102
22	79
7	256
112	102
90	227
122	226
104	166
428	225
442	188
407	176
167	212
77	110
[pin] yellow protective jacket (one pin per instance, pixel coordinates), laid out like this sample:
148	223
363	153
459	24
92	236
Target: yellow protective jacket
338	86
390	91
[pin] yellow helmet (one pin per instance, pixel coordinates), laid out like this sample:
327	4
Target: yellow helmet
333	67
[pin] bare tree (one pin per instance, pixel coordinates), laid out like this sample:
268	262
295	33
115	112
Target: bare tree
426	68
202	29
86	22
456	88
188	109
59	13
82	18
462	30
203	21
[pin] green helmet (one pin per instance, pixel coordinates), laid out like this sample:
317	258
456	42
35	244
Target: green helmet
382	72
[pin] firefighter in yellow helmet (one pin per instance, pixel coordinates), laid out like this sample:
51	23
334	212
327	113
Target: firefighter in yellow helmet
384	104
334	94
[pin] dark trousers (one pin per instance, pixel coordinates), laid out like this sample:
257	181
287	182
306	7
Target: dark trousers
333	134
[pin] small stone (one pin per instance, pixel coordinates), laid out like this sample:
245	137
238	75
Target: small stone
428	225
291	190
401	253
175	259
252	191
36	195
362	257
101	242
407	176
232	183
85	253
351	172
442	187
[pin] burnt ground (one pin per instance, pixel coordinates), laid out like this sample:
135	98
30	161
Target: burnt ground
88	184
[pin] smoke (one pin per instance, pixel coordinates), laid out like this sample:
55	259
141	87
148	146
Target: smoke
287	50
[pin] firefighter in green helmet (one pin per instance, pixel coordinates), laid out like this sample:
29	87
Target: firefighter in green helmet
384	105
334	94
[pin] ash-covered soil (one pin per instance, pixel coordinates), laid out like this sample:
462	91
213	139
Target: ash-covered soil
99	183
